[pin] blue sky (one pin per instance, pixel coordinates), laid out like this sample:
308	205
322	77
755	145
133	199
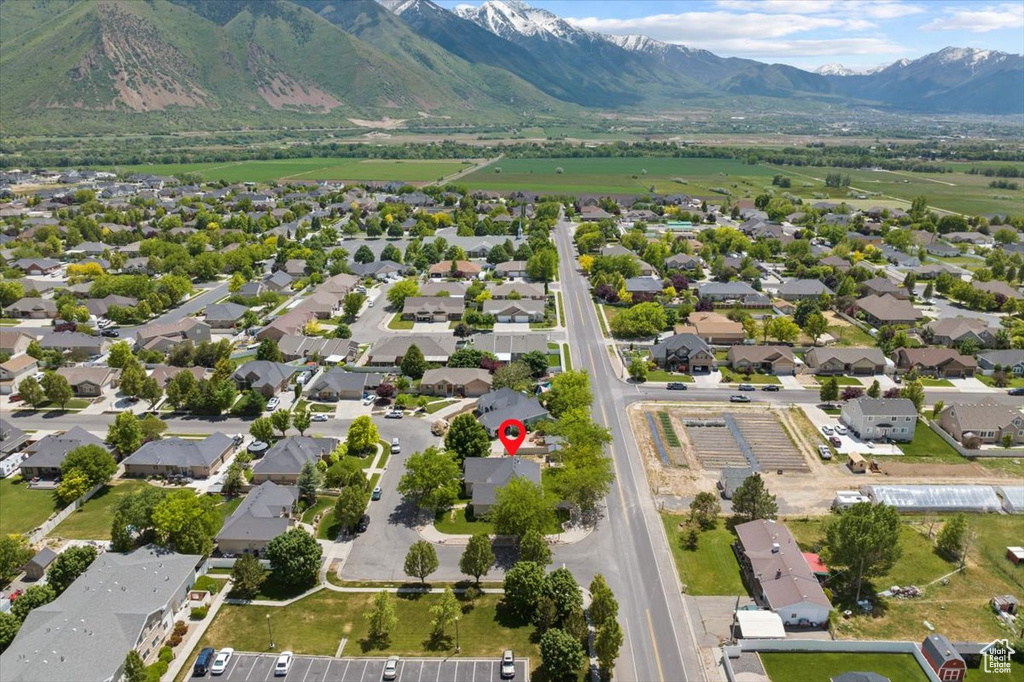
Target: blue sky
805	33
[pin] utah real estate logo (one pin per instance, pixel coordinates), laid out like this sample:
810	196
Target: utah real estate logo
997	656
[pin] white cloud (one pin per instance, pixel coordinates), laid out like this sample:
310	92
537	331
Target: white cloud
697	27
871	9
779	6
990	18
772	50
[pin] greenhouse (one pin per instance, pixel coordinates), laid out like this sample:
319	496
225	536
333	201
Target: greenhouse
910	498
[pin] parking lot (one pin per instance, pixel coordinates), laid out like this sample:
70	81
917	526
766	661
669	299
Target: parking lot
260	667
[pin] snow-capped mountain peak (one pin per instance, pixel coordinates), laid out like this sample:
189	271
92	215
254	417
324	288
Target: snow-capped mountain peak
512	18
637	43
834	70
399	7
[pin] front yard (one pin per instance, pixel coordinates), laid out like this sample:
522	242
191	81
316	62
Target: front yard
731	377
711	569
813	667
1015	382
662	375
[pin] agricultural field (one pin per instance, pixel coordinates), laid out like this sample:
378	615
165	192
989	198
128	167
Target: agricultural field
310	169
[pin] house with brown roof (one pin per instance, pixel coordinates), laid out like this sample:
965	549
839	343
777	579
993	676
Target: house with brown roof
997	288
456	381
461	269
988	421
840	264
952	331
289	324
163	337
14	370
518	290
880	286
323	304
89	382
713	328
524	310
762	359
882	310
855	361
164	373
935	362
32	309
13	341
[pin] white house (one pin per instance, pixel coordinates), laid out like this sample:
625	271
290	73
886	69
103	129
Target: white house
878	418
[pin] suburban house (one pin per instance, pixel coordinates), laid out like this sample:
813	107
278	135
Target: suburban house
278	281
880	418
338	384
266	512
33	308
89	382
944	659
461	269
779	575
163	337
164	373
485	476
455	381
433	308
510	347
800	289
121	602
340	285
322	304
935	362
762	359
1011	361
856	361
289	324
13	341
264	376
997	288
329	351
880	286
495	407
381	270
987	421
11	438
389	351
180	457
644	286
443	288
296	267
34	267
47	454
224	315
100	306
14	370
682	261
512	268
283	461
840	264
525	310
887	309
686	353
952	331
521	290
723	292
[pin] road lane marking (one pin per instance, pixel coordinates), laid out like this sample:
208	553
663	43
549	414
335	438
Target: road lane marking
654	645
615	466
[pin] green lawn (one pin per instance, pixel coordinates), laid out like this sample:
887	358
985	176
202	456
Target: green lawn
840	380
561	309
92	520
662	375
850	335
22	509
815	667
461	522
398	323
928	381
928	446
433	407
729	376
600	318
568	358
711	569
73	404
322	502
1016	382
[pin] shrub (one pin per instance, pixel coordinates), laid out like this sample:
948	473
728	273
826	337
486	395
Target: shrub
156	671
208	584
166	654
180	628
174	640
198	613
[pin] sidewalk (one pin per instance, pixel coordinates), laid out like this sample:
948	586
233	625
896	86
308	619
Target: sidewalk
431	534
196	630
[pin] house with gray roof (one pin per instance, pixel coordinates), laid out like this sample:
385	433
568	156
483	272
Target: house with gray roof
279	281
686	353
887	309
485	476
444	288
37	266
510	347
881	418
46	455
952	331
381	269
389	351
644	285
100	306
164	336
89	382
522	311
266	512
1012	361
988	421
339	384
121	602
283	461
512	268
11	438
945	661
724	291
180	457
32	309
433	308
329	351
495	407
880	286
857	361
800	289
264	376
224	315
523	290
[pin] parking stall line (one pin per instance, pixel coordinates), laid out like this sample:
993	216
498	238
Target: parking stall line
253	667
366	665
401	669
420	676
474	670
439	672
345	671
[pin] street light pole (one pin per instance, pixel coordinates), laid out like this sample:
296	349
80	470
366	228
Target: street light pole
457	647
270	630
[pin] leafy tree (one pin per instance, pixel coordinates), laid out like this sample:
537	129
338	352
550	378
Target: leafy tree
97	464
603	606
569	389
186	523
309	483
150	391
829	391
181	389
381	620
10	292
31	392
346	472
133	519
431	479
134	668
281	420
863	540
520	506
478	557
294	558
58	390
262	429
524	585
607	645
752	501
643	319
68	565
268	350
875	390
638	368
816	327
247	576
402	290
561	655
33	597
421	560
445	612
73	485
704	510
561	587
124	433
351	504
952	539
914	392
413	362
14	553
543	266
533	547
783	329
234	480
9	626
362	436
301	419
363	255
119	355
585	479
515	375
386	390
467	437
537	361
251	404
132	377
352	304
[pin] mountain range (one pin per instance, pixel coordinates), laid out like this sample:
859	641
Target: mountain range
74	66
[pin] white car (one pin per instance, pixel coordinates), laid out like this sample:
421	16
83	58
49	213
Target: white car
824	452
283	665
840	430
369	304
318	417
369	400
826	429
508	665
272	404
221	662
391	669
396	446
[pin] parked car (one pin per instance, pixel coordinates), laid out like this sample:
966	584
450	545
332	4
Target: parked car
318	417
110	333
390	669
739	399
377	492
283	665
676	386
840	430
369	304
508	665
15	398
770	387
827	430
897	378
369	399
1017	391
745	387
272	404
363	523
220	663
396	446
835	441
824	452
394	414
237	439
203	661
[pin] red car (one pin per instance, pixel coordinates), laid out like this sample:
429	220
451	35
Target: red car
15	398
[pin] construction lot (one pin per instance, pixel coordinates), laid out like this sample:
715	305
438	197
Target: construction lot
244	667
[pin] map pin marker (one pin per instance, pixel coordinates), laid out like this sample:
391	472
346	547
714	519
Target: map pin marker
512	444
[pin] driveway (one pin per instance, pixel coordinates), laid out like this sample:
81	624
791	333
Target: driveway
972	384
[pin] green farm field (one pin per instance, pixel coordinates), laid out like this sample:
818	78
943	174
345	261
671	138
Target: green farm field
310	169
